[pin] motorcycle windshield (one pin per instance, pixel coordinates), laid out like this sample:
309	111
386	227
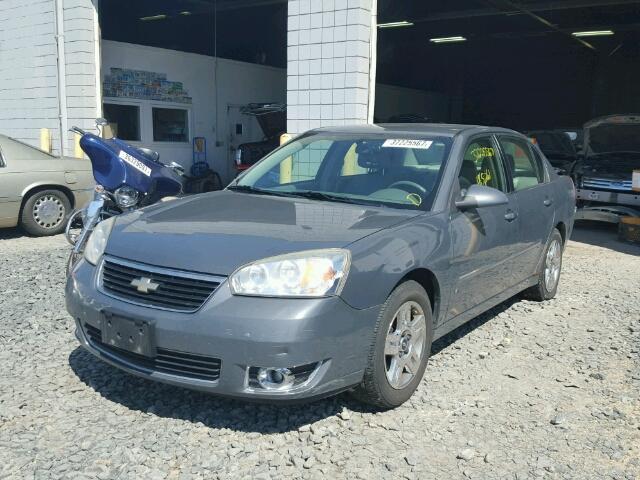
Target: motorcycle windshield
116	163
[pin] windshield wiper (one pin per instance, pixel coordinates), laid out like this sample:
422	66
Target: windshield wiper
313	195
250	189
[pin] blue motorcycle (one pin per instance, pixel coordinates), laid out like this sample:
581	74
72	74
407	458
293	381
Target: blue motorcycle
126	178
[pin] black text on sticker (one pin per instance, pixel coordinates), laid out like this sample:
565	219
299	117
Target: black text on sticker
135	163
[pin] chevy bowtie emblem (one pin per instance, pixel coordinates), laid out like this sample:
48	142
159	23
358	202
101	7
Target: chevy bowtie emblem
144	285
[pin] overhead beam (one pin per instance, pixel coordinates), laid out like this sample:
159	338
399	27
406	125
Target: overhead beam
540	7
508	4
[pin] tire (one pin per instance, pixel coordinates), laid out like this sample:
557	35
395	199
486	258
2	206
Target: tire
45	213
549	276
380	387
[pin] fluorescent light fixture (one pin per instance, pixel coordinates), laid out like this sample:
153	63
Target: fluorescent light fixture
153	17
593	33
185	13
402	23
448	39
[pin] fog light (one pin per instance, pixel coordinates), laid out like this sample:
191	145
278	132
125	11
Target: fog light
275	378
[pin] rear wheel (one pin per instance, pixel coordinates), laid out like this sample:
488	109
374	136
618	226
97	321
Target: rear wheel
44	212
401	348
549	276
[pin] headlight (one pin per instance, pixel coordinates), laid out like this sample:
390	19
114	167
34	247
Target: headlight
126	196
97	242
314	273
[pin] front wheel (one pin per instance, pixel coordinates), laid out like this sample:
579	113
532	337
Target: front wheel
549	276
401	348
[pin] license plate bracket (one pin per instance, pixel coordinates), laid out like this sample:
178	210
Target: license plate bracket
131	335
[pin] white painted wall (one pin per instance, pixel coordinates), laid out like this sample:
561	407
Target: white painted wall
238	83
392	100
29	73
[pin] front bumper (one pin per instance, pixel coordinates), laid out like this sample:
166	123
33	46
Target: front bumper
614	198
241	332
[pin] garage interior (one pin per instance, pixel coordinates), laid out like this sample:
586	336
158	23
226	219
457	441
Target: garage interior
215	56
524	65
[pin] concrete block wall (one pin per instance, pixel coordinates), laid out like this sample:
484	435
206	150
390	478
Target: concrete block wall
327	63
29	73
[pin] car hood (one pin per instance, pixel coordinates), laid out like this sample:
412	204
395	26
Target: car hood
612	134
220	231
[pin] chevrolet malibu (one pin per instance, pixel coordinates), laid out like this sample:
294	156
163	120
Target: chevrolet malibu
331	265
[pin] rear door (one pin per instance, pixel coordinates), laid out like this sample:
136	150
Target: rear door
534	195
484	239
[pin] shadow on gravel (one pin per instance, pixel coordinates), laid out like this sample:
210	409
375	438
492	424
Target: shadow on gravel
11	233
138	394
453	336
602	234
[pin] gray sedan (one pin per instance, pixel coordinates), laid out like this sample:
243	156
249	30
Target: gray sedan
331	265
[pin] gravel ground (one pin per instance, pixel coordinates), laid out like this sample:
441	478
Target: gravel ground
527	390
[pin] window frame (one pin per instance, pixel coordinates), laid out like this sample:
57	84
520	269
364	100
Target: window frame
170	106
534	157
124	103
505	174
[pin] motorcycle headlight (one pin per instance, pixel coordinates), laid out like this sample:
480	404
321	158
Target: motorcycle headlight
126	197
97	242
314	273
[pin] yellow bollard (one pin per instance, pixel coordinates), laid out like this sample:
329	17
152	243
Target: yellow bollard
45	140
77	151
286	166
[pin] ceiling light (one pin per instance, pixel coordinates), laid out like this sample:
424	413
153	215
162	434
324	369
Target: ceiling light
185	13
402	23
153	17
448	39
593	33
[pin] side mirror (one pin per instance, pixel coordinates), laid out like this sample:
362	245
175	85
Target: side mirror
479	196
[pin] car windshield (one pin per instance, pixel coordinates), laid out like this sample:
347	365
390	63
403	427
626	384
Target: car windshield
615	138
393	170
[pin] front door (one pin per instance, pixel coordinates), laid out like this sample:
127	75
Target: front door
484	239
535	200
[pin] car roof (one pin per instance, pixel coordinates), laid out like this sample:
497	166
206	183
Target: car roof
435	129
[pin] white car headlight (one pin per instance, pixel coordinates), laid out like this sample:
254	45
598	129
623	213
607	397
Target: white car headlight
314	273
97	242
126	196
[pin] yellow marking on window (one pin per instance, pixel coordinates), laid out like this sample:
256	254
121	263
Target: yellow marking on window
482	178
415	199
482	152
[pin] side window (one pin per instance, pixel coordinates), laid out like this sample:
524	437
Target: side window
481	166
526	170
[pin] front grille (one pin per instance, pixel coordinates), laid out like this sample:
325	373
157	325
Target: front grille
172	362
606	184
170	289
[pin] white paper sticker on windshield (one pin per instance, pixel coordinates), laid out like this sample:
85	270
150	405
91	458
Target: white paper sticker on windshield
407	143
135	163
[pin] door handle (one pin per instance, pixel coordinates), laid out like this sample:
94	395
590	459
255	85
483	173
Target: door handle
510	216
548	202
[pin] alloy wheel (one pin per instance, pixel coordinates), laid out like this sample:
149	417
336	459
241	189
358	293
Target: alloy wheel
552	265
404	345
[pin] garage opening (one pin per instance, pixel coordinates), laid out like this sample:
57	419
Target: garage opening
185	77
526	64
